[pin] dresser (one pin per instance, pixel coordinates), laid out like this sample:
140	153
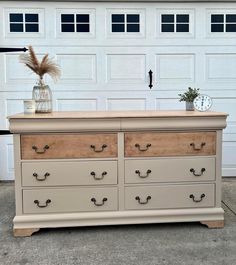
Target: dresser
110	168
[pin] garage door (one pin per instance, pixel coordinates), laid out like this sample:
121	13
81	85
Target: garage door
108	53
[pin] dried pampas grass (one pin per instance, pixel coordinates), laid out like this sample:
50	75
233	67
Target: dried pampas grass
46	66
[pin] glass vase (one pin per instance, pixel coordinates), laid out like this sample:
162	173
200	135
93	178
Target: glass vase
42	95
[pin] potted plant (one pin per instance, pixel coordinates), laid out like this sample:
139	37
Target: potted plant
41	93
189	96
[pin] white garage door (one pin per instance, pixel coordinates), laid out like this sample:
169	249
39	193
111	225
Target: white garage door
106	51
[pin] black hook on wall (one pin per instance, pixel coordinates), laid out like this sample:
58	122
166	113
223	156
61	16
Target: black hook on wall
13	50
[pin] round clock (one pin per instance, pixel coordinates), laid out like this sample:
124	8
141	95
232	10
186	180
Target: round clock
202	103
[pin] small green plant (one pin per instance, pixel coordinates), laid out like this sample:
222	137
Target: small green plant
189	95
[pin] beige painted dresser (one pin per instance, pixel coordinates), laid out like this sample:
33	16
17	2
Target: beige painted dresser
107	168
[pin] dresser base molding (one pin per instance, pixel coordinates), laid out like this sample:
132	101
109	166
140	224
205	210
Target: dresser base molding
214	224
21	232
31	222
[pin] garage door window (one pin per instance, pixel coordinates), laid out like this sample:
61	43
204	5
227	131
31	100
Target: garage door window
125	23
223	23
174	23
75	23
20	22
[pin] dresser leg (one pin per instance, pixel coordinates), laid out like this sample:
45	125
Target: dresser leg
25	231
213	224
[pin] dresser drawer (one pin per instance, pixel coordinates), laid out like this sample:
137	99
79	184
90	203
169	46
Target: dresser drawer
170	144
68	146
170	170
69	173
170	197
69	200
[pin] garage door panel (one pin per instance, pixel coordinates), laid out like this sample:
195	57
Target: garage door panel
16	71
175	67
7	159
221	67
126	68
105	70
78	104
78	68
126	104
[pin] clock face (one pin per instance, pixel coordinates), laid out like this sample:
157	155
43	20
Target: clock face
202	102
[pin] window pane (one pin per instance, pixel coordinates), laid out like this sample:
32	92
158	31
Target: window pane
82	27
67	18
118	28
82	18
16	27
217	18
118	18
31	18
133	18
217	28
167	27
183	18
167	18
67	28
230	27
31	27
230	18
182	28
132	27
16	17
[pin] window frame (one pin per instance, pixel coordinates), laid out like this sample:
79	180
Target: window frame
24	11
175	12
125	12
224	33
75	34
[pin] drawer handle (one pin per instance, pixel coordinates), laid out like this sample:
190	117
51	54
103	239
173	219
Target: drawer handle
41	179
197	200
42	206
99	204
143	176
36	149
143	149
98	150
143	202
196	148
98	178
197	174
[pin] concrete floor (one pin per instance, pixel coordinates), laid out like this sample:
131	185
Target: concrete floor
156	244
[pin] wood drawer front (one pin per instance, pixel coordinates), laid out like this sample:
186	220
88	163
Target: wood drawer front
169	197
68	146
69	173
170	144
69	200
170	170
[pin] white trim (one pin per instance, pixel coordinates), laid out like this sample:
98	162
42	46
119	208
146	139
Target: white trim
41	23
126	11
84	35
175	11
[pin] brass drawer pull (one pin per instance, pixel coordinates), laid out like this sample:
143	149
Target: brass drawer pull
197	174
41	179
142	149
99	204
42	206
197	200
36	149
98	150
143	202
196	148
98	178
143	176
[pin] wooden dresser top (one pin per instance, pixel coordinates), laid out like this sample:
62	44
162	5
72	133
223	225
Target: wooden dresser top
116	114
